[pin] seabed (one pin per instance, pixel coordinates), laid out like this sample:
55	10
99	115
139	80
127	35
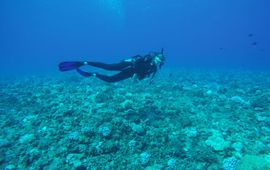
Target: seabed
185	120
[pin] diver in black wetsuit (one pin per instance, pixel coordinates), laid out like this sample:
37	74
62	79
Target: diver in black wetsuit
139	66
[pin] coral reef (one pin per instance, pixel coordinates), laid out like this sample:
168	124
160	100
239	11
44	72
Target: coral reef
186	119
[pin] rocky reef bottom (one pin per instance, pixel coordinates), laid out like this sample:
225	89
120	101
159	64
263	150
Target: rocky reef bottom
186	119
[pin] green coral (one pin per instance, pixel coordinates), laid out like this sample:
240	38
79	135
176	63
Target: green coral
253	162
217	142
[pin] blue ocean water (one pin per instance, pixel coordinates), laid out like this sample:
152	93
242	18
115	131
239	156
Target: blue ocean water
207	108
36	35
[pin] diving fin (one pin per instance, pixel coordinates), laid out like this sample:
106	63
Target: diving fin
70	65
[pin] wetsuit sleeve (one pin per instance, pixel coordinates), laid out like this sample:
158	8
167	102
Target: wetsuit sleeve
154	72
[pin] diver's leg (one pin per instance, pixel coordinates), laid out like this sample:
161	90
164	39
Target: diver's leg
116	67
71	65
125	74
84	73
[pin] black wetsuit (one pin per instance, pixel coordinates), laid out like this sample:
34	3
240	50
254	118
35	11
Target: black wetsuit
140	66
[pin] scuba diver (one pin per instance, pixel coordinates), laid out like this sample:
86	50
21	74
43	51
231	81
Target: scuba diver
139	66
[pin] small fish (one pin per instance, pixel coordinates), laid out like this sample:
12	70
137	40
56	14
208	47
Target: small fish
250	35
254	43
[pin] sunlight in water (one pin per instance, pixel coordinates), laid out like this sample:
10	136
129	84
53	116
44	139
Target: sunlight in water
113	6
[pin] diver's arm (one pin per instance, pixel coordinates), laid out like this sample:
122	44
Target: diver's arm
153	75
152	78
